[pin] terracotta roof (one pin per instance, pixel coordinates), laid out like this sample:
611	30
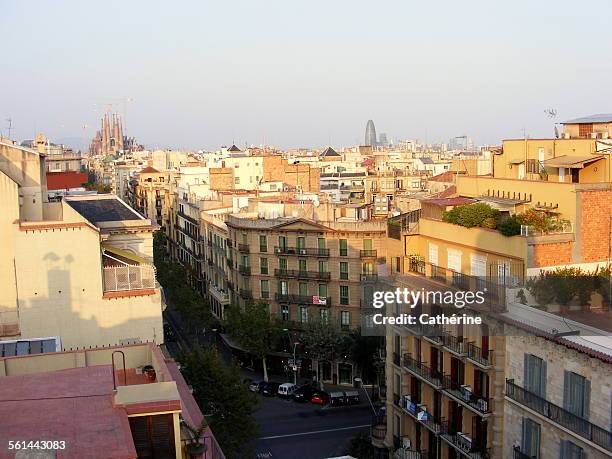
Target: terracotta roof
65	180
329	151
447	176
444	202
449	192
149	170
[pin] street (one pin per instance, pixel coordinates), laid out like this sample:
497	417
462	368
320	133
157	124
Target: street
289	430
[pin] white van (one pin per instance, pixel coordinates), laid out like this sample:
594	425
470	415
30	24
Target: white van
286	389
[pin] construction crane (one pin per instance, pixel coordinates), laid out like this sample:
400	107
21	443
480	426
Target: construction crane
110	105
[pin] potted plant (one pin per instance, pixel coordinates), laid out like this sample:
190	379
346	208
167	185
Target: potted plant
149	372
195	447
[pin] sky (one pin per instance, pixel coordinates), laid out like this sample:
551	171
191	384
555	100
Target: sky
302	73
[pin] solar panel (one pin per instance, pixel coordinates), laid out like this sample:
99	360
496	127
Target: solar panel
10	349
23	347
48	345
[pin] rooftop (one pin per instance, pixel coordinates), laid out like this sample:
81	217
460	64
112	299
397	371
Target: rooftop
598	118
149	170
103	208
65	180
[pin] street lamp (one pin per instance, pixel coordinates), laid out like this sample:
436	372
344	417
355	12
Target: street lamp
294	359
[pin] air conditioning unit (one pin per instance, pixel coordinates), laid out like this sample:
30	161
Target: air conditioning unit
466	392
406	443
302	251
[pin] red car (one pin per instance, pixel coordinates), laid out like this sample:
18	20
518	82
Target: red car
320	398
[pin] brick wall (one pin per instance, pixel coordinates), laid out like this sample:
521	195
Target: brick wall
278	169
221	178
595	211
557	253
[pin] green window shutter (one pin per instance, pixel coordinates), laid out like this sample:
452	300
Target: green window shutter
543	380
586	399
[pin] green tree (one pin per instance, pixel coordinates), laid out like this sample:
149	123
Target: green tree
365	352
360	446
254	329
323	341
226	402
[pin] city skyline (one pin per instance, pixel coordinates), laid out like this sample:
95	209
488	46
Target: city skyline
290	76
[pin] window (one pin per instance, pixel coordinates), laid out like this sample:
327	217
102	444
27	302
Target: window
301	242
344	270
321	242
324	316
303	314
323	290
534	372
265	288
584	130
576	394
433	254
343	247
282	263
345	319
245	238
344	294
263	243
530	444
237	181
303	289
367	244
245	260
322	266
302	265
263	263
454	260
285	312
282	288
571	451
282	242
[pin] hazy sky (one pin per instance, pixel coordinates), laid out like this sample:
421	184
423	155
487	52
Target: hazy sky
303	72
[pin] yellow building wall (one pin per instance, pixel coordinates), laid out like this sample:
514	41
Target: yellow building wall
9	212
59	283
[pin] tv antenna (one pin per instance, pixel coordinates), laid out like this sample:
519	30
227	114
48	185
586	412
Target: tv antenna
551	112
9	121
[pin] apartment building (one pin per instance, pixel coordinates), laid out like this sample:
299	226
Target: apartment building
306	270
78	270
383	188
119	402
150	194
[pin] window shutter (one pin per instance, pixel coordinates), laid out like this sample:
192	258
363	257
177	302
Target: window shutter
563	450
566	390
543	380
524	439
586	399
526	371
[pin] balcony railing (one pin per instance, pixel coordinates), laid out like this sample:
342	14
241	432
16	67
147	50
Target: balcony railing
414	366
219	294
313	252
517	454
369	278
244	270
303	299
483	358
453	344
297	274
403	453
367	253
244	248
465	396
568	420
464	443
128	277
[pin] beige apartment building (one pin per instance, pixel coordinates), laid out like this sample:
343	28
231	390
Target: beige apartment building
150	194
79	270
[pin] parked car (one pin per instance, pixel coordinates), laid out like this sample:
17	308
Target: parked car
303	393
351	397
256	386
320	398
270	389
286	390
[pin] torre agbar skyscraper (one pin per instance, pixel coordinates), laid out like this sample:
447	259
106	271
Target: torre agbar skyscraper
370	134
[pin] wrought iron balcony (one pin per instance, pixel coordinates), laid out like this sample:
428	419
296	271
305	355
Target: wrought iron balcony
244	248
303	299
297	274
311	251
453	344
518	454
464	395
480	357
555	413
244	270
417	368
369	278
464	443
367	253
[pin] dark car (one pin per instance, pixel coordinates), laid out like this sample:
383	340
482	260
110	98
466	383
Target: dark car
303	393
256	386
270	389
319	397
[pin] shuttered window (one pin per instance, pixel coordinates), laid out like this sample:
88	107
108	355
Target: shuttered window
531	438
433	254
571	451
454	260
153	436
534	372
576	394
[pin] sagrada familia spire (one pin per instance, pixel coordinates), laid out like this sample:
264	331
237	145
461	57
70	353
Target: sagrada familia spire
109	139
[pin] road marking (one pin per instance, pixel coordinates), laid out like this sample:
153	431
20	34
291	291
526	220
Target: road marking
314	432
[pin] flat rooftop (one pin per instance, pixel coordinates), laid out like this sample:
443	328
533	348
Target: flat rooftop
103	208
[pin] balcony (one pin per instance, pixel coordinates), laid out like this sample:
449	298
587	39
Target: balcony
464	395
243	248
483	359
244	270
128	277
309	252
453	344
221	296
580	426
422	371
367	253
246	294
297	274
463	443
303	299
369	278
404	453
517	454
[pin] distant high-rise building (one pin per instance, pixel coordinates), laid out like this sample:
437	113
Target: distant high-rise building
382	139
370	134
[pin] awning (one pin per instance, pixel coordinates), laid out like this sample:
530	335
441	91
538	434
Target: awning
516	161
571	162
124	254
